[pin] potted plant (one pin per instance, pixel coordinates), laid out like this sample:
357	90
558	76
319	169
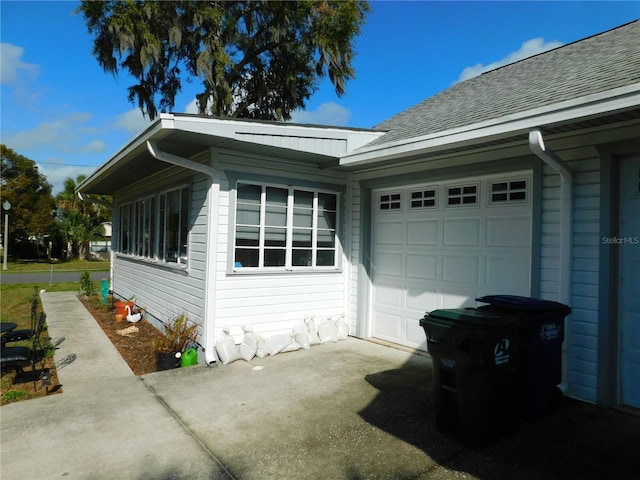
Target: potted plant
169	347
121	305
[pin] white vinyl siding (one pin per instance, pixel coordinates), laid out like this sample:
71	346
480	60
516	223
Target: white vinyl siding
272	302
581	342
167	292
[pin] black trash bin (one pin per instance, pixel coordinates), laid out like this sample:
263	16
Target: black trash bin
540	359
474	368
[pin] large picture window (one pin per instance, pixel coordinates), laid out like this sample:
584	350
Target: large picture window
284	227
156	227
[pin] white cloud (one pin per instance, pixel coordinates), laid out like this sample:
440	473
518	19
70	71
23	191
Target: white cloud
192	107
132	121
62	134
57	174
527	49
329	113
13	71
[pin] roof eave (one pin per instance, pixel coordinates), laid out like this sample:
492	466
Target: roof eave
602	103
243	135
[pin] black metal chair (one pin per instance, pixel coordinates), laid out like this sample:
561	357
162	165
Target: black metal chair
24	333
17	358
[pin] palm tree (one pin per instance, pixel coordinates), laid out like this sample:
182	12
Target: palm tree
80	221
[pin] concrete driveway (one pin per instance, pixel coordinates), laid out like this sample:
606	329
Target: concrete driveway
349	410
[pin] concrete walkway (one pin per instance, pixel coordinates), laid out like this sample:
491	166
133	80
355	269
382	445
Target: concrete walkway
349	410
105	424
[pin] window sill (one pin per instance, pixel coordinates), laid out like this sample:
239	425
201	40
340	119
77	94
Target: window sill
281	271
174	267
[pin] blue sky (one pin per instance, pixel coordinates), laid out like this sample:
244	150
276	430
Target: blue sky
61	110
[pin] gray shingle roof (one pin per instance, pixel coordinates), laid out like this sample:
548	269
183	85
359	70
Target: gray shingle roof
592	65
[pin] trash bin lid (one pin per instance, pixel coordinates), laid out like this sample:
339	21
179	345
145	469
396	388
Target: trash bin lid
517	303
467	318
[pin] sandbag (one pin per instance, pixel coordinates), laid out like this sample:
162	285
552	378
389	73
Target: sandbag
342	328
263	348
280	342
249	345
301	335
313	331
226	348
328	331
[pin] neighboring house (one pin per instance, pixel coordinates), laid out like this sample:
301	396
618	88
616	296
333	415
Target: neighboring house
101	249
524	180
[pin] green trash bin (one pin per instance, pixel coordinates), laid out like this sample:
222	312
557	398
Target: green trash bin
474	357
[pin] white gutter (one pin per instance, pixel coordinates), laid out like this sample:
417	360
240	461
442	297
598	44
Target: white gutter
213	194
536	143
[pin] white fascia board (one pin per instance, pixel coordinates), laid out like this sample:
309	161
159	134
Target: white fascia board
239	130
595	104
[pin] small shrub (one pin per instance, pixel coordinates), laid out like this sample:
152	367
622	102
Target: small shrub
177	333
86	285
14	396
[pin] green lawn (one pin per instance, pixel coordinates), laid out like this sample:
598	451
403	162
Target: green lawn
45	266
16	300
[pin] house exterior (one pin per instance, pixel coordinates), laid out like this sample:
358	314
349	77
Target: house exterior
524	180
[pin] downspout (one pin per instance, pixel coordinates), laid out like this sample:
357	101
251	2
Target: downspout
213	194
537	146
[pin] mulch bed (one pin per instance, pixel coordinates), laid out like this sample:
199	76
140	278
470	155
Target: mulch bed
20	386
137	348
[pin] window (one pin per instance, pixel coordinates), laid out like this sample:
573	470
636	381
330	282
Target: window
156	227
461	195
509	191
390	201
284	227
425	198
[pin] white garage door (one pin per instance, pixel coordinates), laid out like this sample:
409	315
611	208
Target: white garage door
442	245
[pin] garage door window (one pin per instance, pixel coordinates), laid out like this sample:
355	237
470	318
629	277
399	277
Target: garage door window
425	198
462	195
390	201
509	191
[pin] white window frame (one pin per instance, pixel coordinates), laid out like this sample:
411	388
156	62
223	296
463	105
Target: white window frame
289	247
146	228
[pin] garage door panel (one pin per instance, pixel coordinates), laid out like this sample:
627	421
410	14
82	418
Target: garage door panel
390	232
461	268
462	232
509	232
389	263
423	232
508	275
389	296
387	325
459	298
422	265
415	336
421	298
